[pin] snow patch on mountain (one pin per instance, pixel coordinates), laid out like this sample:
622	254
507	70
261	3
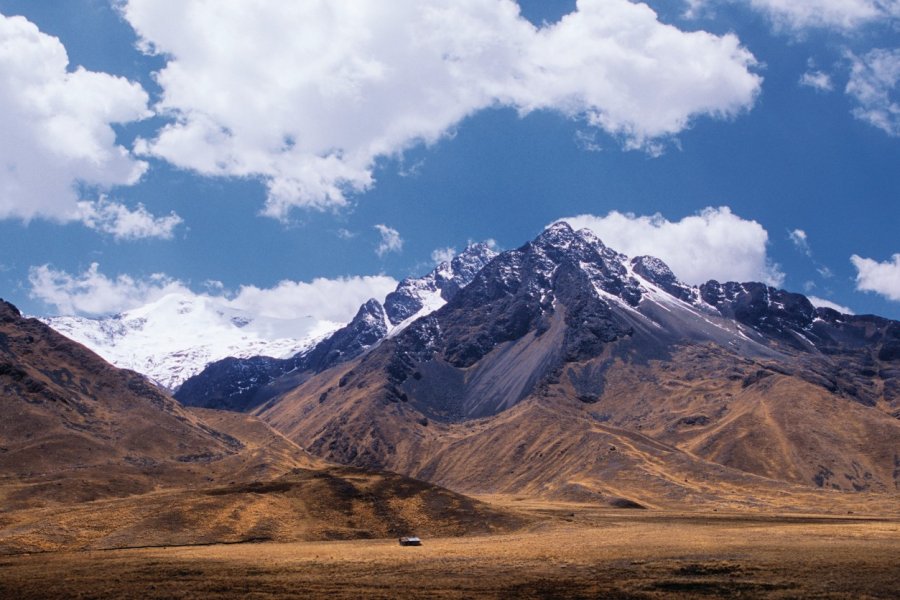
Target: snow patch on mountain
416	298
176	336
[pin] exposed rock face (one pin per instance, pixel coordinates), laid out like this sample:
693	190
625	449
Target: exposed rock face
367	328
515	295
741	374
236	384
775	312
231	383
657	272
484	301
564	298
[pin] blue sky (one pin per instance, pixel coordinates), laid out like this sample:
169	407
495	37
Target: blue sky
766	148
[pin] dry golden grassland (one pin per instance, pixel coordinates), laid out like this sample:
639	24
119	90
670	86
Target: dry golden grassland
568	552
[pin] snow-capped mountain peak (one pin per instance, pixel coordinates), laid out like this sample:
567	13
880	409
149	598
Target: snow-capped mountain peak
176	336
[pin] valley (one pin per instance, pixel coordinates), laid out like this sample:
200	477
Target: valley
555	421
503	299
570	551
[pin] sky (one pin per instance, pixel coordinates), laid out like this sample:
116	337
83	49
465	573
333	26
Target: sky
299	158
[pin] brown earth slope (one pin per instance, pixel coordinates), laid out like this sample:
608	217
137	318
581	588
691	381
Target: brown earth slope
562	372
330	503
75	428
96	457
658	452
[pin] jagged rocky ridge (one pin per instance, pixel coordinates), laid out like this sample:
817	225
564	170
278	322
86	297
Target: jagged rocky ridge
568	332
238	383
487	301
569	286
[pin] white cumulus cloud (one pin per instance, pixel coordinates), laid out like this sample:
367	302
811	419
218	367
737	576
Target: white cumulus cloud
309	95
57	134
94	293
390	240
335	300
823	303
873	83
880	277
714	244
124	223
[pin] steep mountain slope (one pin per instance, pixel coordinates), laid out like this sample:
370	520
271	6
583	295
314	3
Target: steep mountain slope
562	349
176	336
548	447
65	410
239	384
92	456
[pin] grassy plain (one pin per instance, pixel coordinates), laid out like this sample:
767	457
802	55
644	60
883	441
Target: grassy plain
568	551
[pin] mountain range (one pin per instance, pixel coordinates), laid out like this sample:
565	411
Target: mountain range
177	336
239	384
566	369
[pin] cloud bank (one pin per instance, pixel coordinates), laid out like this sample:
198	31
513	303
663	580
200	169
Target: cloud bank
880	277
335	300
58	137
714	244
308	96
94	293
